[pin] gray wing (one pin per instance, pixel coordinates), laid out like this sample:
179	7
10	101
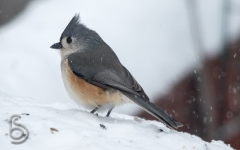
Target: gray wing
102	68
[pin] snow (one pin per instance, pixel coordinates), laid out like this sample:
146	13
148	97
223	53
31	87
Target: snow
78	129
152	40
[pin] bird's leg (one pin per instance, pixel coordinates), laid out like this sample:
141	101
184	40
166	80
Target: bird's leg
95	109
109	111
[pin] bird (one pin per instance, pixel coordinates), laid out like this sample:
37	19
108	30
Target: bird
94	77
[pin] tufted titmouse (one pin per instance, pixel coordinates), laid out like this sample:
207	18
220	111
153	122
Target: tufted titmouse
95	78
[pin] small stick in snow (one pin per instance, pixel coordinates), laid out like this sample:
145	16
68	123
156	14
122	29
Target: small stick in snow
102	126
53	129
25	114
161	130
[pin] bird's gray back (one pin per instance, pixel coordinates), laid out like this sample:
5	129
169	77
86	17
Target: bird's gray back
101	66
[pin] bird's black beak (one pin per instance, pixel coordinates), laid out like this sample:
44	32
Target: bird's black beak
57	45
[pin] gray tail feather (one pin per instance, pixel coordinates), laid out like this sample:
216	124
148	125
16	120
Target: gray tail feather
154	110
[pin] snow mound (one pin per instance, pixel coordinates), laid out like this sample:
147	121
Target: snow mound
75	128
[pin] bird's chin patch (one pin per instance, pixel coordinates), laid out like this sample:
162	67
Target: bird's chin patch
65	53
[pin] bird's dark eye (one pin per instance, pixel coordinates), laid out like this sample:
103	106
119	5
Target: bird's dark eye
69	40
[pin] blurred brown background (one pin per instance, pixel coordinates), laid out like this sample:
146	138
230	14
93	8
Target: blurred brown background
206	100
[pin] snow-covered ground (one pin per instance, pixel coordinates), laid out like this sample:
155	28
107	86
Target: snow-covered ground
151	38
74	129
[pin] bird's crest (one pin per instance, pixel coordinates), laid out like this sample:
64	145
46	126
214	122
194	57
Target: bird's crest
74	27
